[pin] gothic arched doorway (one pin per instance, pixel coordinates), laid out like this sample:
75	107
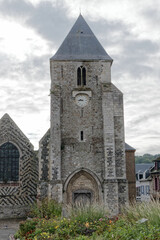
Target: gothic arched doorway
82	189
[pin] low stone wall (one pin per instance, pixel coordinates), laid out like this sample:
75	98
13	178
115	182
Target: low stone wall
11	212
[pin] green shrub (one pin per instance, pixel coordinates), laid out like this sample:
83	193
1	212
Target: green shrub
46	209
26	228
39	228
123	230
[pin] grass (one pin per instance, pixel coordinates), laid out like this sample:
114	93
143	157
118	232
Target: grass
46	209
88	212
149	210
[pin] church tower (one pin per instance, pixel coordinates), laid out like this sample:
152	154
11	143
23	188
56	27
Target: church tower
86	160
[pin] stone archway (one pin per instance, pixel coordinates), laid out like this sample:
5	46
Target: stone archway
82	188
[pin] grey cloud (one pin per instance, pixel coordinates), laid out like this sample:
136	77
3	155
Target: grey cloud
139	119
152	148
137	47
26	107
136	54
15	8
144	117
36	68
43	18
136	60
4	59
30	94
105	30
152	15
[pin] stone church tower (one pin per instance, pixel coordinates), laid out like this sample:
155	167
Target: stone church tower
82	156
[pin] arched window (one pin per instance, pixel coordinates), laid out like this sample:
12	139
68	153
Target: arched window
9	162
81	76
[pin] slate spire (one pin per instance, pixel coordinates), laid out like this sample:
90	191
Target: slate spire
81	44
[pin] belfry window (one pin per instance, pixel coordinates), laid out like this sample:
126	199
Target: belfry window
81	76
9	162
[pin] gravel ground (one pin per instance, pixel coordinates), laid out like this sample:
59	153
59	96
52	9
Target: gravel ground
8	227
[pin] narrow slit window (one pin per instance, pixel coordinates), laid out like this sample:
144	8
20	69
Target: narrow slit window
92	129
61	105
82	112
97	80
62	71
82	136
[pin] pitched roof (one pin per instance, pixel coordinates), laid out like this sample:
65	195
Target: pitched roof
81	44
7	125
129	148
142	167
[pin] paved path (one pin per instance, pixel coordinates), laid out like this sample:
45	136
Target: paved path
8	228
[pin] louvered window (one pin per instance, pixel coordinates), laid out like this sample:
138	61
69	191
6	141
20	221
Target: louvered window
81	76
9	162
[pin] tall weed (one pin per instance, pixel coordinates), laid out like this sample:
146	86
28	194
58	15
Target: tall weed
46	209
90	212
149	210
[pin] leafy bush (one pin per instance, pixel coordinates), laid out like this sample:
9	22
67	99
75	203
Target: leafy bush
46	209
124	230
26	228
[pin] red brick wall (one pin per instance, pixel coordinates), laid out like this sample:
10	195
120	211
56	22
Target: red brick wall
131	175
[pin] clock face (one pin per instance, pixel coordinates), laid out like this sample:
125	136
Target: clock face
82	100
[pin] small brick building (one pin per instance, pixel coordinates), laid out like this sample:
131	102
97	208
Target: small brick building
130	172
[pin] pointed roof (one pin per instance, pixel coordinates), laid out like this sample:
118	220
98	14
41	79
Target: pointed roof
129	148
7	123
81	44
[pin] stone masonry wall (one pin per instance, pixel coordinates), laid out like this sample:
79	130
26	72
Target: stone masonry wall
43	157
75	153
102	150
115	185
16	197
119	133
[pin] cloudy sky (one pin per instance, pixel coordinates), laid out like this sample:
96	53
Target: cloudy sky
32	30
